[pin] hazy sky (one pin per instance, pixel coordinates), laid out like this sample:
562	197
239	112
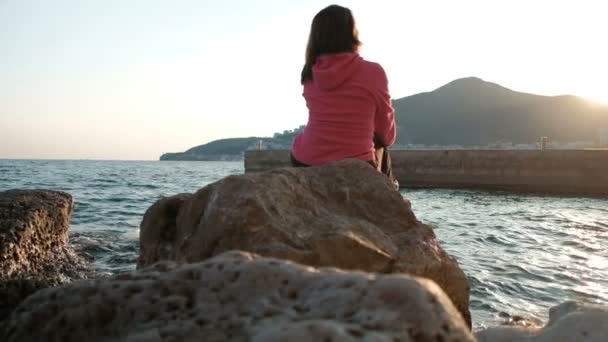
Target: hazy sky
131	79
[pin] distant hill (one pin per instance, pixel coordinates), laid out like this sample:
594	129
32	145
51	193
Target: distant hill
471	111
465	112
233	148
224	149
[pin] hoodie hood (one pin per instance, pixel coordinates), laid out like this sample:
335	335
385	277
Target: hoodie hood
330	71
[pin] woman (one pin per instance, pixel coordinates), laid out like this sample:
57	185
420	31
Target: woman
350	110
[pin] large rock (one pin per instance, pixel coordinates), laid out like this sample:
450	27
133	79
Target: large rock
343	215
240	297
34	249
568	322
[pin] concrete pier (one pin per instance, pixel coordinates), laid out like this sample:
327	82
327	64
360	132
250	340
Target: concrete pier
562	172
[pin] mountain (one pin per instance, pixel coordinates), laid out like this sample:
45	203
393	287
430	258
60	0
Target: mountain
470	111
465	112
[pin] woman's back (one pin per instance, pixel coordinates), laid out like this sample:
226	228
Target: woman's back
350	111
348	102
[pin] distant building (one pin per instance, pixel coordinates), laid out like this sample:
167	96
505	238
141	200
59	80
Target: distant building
602	135
543	143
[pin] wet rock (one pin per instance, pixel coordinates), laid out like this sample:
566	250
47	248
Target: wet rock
239	296
161	226
343	215
570	321
34	249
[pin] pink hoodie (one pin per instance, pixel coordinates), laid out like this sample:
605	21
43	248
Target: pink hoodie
348	100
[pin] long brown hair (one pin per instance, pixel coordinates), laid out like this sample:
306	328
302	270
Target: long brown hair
332	31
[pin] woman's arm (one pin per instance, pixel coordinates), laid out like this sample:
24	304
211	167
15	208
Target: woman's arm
384	121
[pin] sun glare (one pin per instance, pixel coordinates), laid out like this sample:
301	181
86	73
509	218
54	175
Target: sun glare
598	99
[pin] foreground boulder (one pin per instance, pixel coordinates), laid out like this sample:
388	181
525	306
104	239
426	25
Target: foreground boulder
239	296
34	249
568	322
343	215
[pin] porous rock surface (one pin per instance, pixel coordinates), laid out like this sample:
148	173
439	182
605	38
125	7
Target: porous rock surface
343	215
568	322
34	248
239	296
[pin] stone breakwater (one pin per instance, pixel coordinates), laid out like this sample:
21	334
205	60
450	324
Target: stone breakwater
330	253
560	172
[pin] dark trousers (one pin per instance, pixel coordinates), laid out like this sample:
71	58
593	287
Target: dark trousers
382	162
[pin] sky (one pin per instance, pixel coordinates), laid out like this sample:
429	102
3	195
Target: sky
132	79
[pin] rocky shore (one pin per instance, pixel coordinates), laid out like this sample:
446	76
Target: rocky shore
34	248
311	254
345	216
239	296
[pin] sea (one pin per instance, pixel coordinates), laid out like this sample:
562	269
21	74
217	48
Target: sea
522	253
